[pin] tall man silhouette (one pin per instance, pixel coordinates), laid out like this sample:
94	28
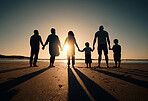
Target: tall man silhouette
35	41
102	36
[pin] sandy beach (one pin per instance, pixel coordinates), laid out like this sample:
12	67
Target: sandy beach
19	82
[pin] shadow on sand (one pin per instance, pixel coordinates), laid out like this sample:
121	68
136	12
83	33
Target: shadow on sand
132	72
136	72
8	95
98	93
125	78
4	87
75	91
14	69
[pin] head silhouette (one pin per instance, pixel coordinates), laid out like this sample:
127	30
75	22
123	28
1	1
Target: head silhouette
101	27
87	44
36	32
52	30
70	33
116	41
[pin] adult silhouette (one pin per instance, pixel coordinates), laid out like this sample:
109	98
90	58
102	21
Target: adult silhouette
71	41
35	41
102	36
54	44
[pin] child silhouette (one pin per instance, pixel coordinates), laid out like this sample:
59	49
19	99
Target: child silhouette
117	52
87	50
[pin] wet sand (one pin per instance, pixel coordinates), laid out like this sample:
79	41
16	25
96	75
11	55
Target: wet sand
19	82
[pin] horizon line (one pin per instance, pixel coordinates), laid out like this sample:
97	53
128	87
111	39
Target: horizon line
75	59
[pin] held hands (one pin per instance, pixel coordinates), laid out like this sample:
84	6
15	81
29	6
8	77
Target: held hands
93	48
61	48
110	48
79	49
43	47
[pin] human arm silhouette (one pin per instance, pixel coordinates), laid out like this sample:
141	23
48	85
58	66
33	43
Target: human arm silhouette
108	40
45	44
82	50
41	41
94	42
65	42
77	45
110	48
31	41
60	45
91	49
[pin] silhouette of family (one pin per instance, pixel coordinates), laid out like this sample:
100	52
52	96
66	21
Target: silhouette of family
54	43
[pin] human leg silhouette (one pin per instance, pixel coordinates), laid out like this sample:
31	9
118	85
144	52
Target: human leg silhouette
52	59
36	57
119	64
106	58
31	57
86	64
68	62
115	63
73	60
89	65
99	59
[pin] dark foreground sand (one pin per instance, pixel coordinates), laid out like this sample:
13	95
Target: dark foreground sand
19	82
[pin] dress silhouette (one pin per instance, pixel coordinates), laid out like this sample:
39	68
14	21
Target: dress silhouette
102	36
71	41
54	44
35	41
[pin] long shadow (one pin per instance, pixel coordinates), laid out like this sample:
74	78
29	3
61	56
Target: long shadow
8	95
12	83
125	78
141	70
133	73
14	69
75	91
98	93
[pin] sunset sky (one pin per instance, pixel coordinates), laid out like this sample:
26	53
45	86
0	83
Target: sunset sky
126	20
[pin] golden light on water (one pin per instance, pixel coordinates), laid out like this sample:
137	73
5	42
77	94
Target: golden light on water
65	61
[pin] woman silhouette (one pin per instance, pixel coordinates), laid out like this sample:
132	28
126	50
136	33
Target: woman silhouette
54	44
70	40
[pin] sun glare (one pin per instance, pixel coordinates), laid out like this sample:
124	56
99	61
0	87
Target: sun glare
66	47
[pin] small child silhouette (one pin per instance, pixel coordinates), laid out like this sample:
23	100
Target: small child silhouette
117	52
87	50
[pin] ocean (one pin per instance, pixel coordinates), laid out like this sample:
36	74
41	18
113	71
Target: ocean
124	61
